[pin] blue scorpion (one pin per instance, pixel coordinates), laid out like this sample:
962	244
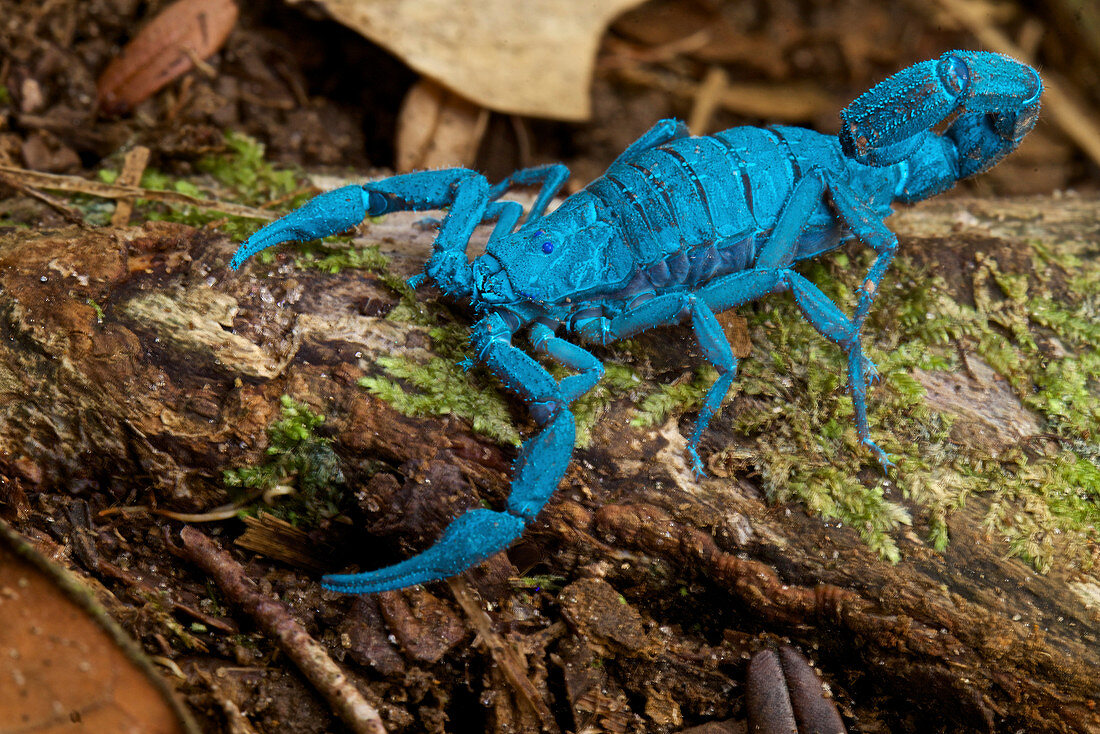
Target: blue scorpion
678	228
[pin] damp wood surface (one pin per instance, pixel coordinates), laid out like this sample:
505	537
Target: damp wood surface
135	369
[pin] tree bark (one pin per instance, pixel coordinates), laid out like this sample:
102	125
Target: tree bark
134	369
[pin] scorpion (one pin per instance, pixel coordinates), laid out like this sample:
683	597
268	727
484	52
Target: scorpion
677	229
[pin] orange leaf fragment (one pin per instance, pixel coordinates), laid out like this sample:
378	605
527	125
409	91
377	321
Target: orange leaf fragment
66	666
185	32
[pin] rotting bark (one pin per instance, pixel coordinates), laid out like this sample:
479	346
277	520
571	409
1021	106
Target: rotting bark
134	369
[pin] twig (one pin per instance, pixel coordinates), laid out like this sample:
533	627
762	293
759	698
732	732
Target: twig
275	620
1063	110
506	656
133	166
218	514
708	95
70	214
57	182
109	569
791	102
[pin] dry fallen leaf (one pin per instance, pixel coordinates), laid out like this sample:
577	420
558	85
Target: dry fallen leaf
530	58
438	128
182	35
62	670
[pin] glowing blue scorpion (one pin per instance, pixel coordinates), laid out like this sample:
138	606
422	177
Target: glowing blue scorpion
678	228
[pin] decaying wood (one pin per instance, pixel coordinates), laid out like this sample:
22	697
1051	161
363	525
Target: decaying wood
134	366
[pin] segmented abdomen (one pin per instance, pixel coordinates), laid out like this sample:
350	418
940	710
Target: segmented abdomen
718	190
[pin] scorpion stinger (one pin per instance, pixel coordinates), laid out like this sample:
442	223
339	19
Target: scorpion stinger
677	229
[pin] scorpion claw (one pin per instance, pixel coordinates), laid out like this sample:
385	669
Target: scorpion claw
469	540
329	213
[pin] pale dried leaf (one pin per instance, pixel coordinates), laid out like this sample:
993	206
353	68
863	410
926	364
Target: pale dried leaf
529	58
183	33
438	128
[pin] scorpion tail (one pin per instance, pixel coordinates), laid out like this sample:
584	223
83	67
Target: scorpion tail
996	97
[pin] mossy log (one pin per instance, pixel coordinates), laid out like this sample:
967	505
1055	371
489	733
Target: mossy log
959	594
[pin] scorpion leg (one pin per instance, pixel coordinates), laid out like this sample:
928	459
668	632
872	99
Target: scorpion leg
480	533
822	313
869	228
723	293
832	324
780	249
661	132
572	356
551	176
506	214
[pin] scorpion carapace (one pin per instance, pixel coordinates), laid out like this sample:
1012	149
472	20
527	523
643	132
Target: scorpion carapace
677	229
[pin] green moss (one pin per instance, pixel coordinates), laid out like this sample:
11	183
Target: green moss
1044	510
301	468
676	397
332	260
550	583
98	310
441	387
244	171
241	172
619	381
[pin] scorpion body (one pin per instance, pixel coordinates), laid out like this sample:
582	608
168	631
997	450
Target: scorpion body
678	229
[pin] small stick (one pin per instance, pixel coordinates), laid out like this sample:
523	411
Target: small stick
133	166
70	214
276	621
13	175
506	656
708	96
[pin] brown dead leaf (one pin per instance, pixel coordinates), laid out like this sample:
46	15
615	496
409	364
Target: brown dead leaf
438	128
185	32
64	670
530	58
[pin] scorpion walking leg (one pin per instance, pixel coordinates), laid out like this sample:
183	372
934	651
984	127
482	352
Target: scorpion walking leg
832	324
662	132
508	213
480	533
551	176
868	227
718	295
572	356
716	350
821	312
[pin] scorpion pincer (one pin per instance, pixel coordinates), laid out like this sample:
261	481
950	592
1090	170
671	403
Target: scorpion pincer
677	229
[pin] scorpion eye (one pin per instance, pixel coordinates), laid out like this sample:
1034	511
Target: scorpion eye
547	247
